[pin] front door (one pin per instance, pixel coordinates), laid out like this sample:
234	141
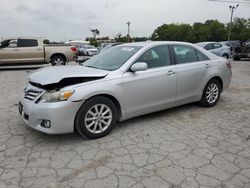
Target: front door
153	88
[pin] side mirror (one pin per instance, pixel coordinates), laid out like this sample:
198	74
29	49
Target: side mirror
140	66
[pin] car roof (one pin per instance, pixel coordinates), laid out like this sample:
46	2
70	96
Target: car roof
152	43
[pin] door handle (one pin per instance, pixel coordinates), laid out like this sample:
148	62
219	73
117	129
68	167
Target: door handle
170	72
208	66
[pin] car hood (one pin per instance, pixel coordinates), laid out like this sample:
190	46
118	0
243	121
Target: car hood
50	75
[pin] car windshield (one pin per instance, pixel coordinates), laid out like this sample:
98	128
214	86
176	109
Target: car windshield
113	58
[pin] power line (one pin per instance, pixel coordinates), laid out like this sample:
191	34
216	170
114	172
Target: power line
228	1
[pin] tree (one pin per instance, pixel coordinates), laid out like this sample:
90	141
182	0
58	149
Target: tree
217	30
200	32
173	32
240	29
211	30
95	32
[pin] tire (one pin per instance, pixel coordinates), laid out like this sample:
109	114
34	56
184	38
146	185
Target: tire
89	121
58	60
225	56
236	58
213	88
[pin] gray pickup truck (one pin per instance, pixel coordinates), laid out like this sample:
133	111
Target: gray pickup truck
33	50
241	51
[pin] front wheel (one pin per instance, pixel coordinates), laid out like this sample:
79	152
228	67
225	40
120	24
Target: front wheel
96	117
211	93
58	60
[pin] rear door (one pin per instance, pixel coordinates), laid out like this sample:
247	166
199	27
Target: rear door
30	51
191	72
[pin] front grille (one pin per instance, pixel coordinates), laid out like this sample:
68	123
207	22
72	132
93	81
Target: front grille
31	94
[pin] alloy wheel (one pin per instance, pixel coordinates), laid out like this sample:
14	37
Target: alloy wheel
212	93
58	61
98	118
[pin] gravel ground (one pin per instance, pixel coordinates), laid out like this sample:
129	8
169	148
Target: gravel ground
188	146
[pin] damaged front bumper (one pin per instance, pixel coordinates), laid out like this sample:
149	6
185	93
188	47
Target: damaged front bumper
60	115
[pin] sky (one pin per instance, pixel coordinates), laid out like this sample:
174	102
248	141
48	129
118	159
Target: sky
62	20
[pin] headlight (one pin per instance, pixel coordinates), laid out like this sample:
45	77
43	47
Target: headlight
55	96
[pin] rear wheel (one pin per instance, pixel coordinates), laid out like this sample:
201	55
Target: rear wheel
96	118
225	56
236	58
58	60
211	93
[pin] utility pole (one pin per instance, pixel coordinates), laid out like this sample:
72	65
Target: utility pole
128	23
232	9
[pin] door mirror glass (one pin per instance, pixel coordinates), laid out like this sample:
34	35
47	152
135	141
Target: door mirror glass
140	66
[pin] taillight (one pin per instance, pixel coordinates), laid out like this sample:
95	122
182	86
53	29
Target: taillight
73	49
229	64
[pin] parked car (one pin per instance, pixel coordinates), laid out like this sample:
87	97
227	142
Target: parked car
110	45
33	50
232	43
242	51
88	50
216	48
125	81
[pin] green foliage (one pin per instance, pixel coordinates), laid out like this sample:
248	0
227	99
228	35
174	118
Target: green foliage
122	39
178	32
93	42
240	29
140	39
211	30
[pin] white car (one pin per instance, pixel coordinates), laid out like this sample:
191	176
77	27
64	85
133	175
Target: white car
88	50
216	48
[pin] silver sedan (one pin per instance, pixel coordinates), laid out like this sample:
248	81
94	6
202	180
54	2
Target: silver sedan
216	48
125	81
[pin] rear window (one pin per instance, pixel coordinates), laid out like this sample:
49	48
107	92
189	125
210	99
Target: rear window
185	54
27	43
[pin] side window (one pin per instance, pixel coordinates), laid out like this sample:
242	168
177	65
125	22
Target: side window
201	56
27	43
9	43
158	56
185	54
217	45
209	47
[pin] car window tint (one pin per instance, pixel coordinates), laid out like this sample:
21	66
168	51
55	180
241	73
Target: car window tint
185	54
209	47
156	57
201	56
216	45
27	43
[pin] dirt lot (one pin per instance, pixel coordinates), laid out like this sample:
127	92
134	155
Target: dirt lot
188	146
